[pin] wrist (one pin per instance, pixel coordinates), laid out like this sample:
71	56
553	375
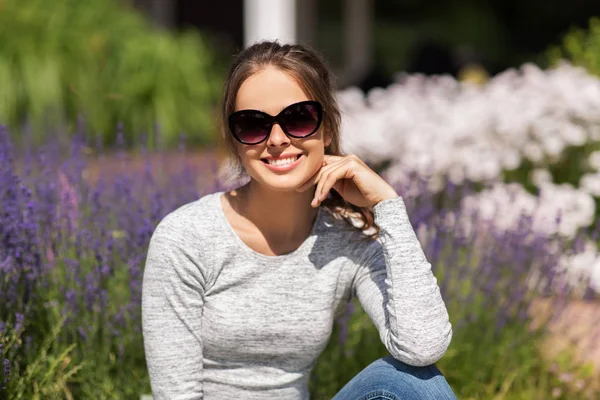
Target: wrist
388	195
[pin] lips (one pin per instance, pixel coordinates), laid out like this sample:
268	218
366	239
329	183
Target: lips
284	168
266	159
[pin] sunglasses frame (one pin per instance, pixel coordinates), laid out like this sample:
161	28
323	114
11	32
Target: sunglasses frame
277	119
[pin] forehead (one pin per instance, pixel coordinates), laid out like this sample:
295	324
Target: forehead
269	90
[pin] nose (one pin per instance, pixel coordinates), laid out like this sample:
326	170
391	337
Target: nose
277	137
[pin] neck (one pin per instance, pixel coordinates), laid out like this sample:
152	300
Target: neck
279	215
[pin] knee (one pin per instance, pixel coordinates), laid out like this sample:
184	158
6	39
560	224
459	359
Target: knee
407	382
404	370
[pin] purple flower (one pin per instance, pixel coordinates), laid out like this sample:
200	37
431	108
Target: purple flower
105	270
6	370
71	299
96	230
82	333
68	208
121	350
19	319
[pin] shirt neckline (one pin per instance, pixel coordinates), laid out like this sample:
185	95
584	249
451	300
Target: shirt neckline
248	250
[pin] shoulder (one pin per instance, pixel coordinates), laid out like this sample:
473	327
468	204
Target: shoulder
348	240
191	221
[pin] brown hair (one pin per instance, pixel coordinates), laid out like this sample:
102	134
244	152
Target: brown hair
312	74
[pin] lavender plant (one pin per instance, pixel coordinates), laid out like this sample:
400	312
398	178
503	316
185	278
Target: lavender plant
491	279
73	239
75	249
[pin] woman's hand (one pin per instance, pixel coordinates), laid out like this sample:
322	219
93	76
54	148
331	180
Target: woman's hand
352	179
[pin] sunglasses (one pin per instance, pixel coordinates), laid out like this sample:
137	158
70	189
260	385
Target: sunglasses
298	120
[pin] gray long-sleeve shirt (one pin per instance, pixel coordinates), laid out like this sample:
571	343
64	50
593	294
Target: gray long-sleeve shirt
223	321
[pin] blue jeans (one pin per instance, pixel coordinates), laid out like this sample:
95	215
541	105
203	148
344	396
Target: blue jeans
390	379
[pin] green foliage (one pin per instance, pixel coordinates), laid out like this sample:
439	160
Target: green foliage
76	356
101	61
482	362
48	374
96	355
478	365
581	47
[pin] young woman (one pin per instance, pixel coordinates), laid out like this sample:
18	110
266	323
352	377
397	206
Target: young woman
241	288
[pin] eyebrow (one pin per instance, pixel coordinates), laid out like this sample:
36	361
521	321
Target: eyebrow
277	113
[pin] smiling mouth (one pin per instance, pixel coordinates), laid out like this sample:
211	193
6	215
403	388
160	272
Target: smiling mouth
275	162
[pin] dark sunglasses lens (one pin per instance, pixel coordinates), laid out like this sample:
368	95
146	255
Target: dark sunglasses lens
251	127
301	120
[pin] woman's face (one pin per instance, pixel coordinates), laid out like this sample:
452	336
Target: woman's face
271	90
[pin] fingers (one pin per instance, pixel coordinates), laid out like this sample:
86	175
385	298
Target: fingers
313	179
329	159
325	177
327	180
328	162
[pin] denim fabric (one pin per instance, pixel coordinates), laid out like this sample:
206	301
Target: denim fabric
390	379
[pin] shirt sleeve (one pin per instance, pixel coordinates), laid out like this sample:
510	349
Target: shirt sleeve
396	287
172	303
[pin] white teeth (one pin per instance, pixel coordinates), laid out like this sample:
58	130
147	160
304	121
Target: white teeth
283	161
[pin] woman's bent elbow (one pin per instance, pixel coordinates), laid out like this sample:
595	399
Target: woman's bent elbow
430	352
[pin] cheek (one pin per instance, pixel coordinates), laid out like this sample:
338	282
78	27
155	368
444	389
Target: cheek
317	159
246	153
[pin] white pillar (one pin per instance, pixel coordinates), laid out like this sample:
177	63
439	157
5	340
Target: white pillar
269	20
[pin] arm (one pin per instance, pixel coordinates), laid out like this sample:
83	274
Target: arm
396	287
172	303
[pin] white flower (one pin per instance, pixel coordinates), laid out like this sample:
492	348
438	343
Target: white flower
583	268
539	176
533	152
559	210
591	183
594	160
553	145
438	128
437	124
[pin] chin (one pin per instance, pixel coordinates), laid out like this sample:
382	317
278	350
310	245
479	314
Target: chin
282	183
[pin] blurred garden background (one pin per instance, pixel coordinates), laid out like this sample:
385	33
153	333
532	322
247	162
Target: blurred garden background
485	116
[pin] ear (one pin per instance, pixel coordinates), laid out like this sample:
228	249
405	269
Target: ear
327	140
